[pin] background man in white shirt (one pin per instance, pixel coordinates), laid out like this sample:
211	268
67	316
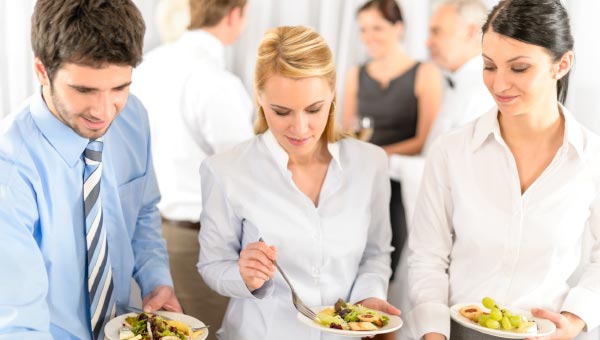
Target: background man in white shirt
454	43
197	108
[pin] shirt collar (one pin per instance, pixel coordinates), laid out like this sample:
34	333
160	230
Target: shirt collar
464	74
68	144
201	39
488	125
573	131
282	158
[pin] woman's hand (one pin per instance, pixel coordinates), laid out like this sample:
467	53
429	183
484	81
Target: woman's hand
256	264
568	325
380	305
434	336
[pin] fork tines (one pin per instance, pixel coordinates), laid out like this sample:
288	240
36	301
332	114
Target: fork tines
305	310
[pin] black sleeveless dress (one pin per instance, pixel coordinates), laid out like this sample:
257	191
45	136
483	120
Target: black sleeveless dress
394	112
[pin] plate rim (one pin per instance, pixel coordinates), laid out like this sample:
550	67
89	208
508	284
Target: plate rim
456	316
349	333
173	315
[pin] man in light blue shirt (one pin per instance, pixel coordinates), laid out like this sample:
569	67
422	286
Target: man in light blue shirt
76	229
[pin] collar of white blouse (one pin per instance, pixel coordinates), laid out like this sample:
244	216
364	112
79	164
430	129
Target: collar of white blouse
488	126
282	158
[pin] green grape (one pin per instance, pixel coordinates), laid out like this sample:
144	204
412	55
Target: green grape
506	323
482	319
515	320
496	314
506	312
488	302
493	324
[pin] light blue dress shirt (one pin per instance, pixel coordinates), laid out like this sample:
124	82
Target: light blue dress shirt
43	294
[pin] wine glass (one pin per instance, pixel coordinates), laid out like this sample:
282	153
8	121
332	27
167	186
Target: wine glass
364	129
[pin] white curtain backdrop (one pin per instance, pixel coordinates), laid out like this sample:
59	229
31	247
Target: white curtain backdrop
16	71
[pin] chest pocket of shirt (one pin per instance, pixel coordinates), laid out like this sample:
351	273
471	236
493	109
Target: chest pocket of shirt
131	195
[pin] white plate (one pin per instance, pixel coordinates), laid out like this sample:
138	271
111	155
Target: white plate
545	327
111	330
394	323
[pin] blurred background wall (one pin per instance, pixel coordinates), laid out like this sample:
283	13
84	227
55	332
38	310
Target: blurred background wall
334	19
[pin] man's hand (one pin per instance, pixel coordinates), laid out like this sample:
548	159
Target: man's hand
568	325
162	297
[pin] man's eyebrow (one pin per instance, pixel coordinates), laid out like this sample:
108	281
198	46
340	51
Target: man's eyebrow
89	89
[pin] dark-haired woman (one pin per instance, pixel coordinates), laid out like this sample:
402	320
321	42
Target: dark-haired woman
400	94
505	200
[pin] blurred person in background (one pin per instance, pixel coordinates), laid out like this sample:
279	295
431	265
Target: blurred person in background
304	189
506	199
454	43
197	108
402	96
78	193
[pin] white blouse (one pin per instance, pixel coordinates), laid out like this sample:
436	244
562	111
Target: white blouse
474	234
340	249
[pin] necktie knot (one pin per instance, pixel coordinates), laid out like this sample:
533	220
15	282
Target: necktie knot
93	152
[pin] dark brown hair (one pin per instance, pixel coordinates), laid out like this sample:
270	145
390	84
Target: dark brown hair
389	9
208	13
543	23
86	32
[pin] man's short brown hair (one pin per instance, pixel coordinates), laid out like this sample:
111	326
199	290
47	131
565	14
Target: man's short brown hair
208	13
86	32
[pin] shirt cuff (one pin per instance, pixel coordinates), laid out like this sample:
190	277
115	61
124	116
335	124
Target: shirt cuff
234	284
150	279
431	318
583	303
367	286
266	290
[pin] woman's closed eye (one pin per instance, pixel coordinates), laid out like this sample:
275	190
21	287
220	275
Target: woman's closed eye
314	109
281	113
519	69
488	67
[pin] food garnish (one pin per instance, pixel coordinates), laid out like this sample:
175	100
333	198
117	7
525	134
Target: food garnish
346	316
148	326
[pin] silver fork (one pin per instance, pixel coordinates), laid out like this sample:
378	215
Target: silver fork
300	306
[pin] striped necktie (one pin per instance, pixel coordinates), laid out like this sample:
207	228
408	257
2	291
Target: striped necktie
99	271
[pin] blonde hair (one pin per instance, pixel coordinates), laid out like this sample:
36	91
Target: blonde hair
208	13
295	52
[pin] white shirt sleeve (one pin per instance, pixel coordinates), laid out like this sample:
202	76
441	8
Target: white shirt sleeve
583	299
430	243
374	270
220	236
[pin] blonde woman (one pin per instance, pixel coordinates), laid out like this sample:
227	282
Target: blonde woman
304	189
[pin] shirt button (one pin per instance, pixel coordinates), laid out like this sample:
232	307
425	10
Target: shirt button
316	275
